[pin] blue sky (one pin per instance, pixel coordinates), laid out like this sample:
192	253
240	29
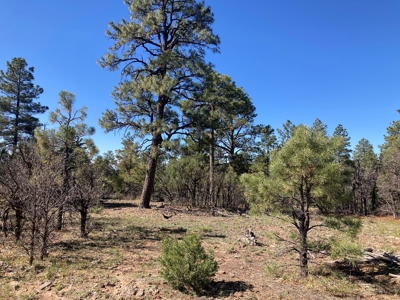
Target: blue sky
336	60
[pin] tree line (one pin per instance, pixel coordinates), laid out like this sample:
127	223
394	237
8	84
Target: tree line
190	139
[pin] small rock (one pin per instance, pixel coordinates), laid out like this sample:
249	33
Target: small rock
110	284
102	286
15	285
140	293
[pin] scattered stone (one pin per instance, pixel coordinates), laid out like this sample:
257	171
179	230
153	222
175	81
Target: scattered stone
110	284
113	267
140	293
95	262
45	285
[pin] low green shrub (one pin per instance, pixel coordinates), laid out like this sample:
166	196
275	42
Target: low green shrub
186	265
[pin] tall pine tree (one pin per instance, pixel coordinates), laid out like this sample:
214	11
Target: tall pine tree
17	107
161	51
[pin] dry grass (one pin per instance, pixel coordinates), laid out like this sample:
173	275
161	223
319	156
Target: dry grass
118	260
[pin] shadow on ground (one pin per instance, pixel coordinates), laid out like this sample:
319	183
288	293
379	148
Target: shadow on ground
375	274
111	204
226	288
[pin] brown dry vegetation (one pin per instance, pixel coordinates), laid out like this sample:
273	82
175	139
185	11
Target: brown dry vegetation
118	260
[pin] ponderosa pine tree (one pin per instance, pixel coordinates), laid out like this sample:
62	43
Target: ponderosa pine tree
343	156
364	178
17	108
389	175
285	133
161	51
222	114
303	174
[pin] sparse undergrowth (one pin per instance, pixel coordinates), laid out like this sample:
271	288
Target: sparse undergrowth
119	260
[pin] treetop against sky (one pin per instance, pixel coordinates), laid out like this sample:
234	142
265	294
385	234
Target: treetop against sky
336	60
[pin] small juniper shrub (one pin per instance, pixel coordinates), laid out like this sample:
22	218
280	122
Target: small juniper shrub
186	265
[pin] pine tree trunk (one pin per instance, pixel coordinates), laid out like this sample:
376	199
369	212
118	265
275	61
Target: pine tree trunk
83	223
212	162
303	229
16	122
148	185
156	142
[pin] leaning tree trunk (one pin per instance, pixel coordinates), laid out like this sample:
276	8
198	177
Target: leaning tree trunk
150	176
156	142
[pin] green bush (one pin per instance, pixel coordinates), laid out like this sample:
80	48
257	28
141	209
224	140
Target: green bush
186	265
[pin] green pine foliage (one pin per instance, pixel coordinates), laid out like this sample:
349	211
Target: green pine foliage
186	265
303	175
17	108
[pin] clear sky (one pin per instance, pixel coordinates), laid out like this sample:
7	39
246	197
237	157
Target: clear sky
336	60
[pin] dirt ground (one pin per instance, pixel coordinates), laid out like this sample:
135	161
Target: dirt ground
119	259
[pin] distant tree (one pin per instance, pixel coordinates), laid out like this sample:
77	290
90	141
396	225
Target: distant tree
86	190
17	108
70	136
223	115
131	164
112	180
392	138
285	133
318	126
389	182
161	51
364	178
267	143
303	174
343	156
343	152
